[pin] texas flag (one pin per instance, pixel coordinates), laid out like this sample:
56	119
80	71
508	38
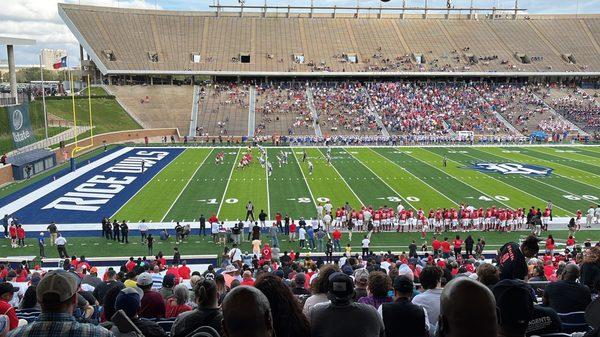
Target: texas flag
61	64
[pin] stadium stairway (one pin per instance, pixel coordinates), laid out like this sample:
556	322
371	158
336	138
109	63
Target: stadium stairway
375	115
313	111
194	117
252	112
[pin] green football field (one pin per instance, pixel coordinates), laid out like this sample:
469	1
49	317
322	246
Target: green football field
195	184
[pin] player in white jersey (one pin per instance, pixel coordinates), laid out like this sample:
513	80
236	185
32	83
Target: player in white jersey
320	211
328	207
261	160
269	168
310	168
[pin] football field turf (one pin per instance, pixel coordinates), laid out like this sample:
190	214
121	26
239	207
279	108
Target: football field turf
193	183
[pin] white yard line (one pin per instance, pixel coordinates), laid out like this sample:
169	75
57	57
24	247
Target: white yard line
228	180
344	180
60	182
419	179
267	180
383	181
141	188
464	182
186	185
304	177
511	186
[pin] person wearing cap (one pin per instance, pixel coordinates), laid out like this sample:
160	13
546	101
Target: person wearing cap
6	294
518	315
153	304
57	295
401	317
361	280
92	278
129	300
467	309
359	319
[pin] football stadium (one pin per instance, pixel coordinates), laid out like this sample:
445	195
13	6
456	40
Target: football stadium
430	168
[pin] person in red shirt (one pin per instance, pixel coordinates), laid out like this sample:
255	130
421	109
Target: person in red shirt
21	235
12	230
266	252
247	279
436	245
176	304
446	248
6	294
550	245
293	232
130	264
457	246
175	271
184	271
337	236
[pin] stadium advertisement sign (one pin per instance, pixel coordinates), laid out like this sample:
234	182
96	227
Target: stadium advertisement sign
20	124
512	168
95	190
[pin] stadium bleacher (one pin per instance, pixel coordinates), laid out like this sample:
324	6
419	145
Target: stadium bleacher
135	40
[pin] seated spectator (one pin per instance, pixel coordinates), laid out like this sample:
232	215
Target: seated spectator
167	286
358	319
153	304
288	319
319	288
247	313
176	304
431	281
567	295
129	300
29	309
247	279
467	308
184	270
378	286
361	280
518	315
488	274
109	303
57	294
92	278
590	269
403	318
298	285
6	294
101	290
207	313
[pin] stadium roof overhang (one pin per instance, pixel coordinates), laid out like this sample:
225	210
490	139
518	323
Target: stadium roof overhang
351	74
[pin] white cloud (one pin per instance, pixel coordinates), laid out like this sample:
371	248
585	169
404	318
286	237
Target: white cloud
39	20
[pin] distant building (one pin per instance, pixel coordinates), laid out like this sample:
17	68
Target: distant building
52	56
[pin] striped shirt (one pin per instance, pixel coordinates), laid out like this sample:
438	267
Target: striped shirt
59	325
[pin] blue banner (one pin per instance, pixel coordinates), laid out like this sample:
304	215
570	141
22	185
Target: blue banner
20	124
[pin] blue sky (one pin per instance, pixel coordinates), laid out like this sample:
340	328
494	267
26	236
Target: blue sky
39	20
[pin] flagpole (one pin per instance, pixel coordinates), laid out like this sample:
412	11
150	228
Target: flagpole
44	98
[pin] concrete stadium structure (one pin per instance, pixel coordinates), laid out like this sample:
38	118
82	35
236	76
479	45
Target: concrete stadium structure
157	42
